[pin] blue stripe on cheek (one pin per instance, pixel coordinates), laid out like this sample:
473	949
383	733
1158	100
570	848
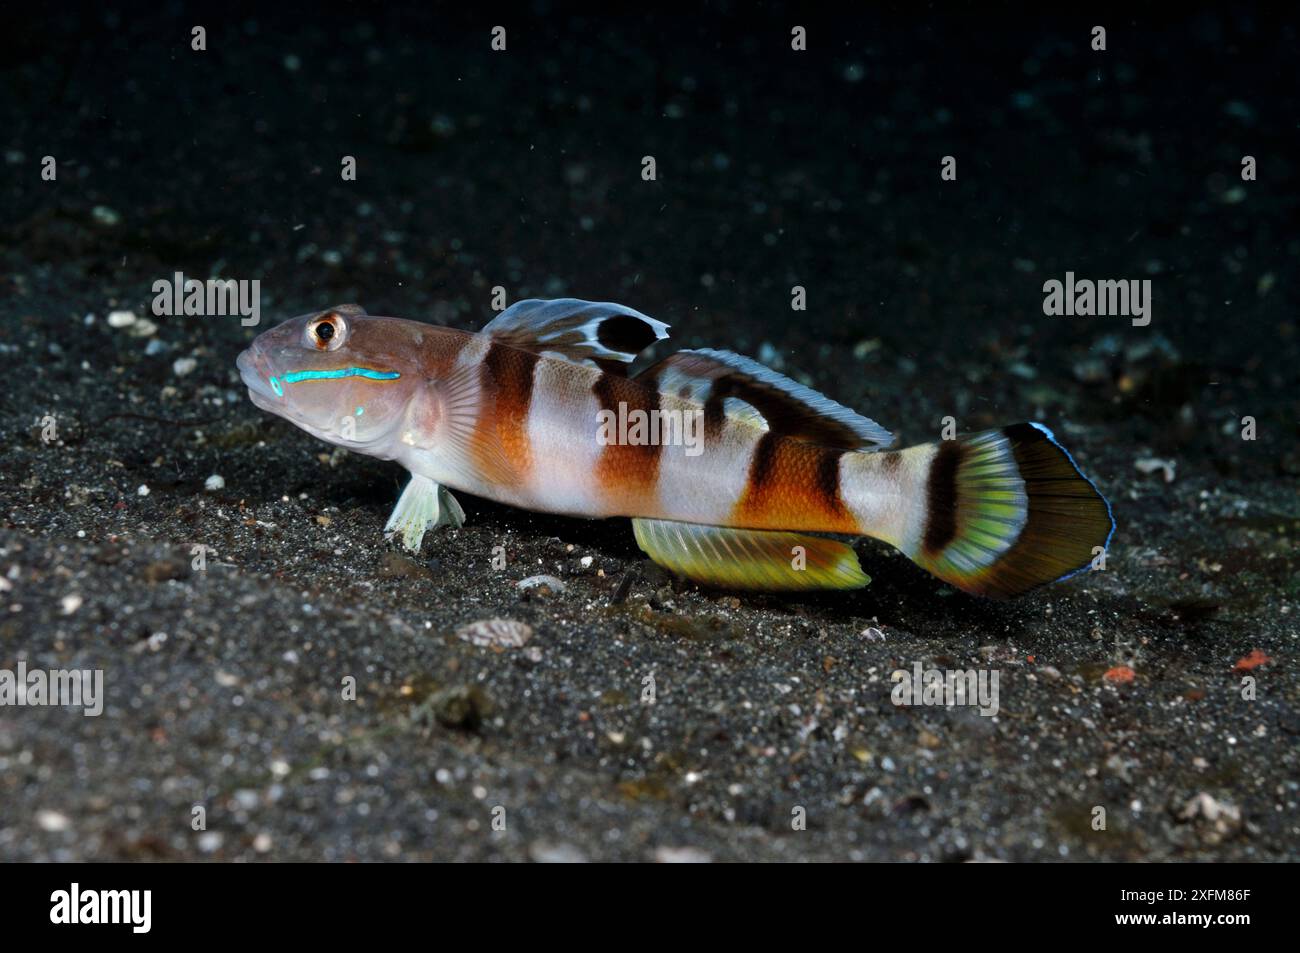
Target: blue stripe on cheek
275	386
366	372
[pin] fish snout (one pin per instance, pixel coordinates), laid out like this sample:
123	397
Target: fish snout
256	374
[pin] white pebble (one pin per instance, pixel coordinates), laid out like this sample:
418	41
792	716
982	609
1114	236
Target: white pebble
547	853
540	582
142	490
71	603
682	855
1149	465
184	365
214	483
209	841
121	319
52	821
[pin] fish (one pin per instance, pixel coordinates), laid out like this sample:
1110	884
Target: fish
734	476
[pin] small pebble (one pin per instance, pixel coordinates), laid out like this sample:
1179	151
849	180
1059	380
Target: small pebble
184	365
682	855
1120	675
1149	465
52	821
1253	659
1220	813
540	585
143	328
214	483
209	841
543	852
121	319
506	633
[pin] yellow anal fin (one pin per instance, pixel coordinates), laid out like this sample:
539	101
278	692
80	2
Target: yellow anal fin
749	559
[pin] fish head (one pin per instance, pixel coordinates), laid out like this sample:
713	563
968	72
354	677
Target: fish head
342	375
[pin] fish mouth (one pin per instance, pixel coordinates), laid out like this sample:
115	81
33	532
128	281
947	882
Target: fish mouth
261	383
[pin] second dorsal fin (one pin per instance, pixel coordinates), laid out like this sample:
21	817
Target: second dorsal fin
597	332
787	407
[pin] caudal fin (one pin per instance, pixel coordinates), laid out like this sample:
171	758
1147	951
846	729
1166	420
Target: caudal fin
1008	510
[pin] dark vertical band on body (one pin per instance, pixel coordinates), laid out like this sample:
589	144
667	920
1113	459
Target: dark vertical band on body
941	497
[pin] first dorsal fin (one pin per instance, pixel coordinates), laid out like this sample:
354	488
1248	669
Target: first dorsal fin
587	332
787	407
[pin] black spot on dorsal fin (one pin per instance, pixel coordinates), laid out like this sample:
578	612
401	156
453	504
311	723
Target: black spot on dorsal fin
626	334
586	332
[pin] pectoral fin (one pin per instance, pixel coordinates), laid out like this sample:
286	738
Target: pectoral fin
749	559
423	505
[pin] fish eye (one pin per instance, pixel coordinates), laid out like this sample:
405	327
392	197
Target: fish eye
326	332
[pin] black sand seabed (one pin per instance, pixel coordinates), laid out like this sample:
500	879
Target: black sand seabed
522	169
